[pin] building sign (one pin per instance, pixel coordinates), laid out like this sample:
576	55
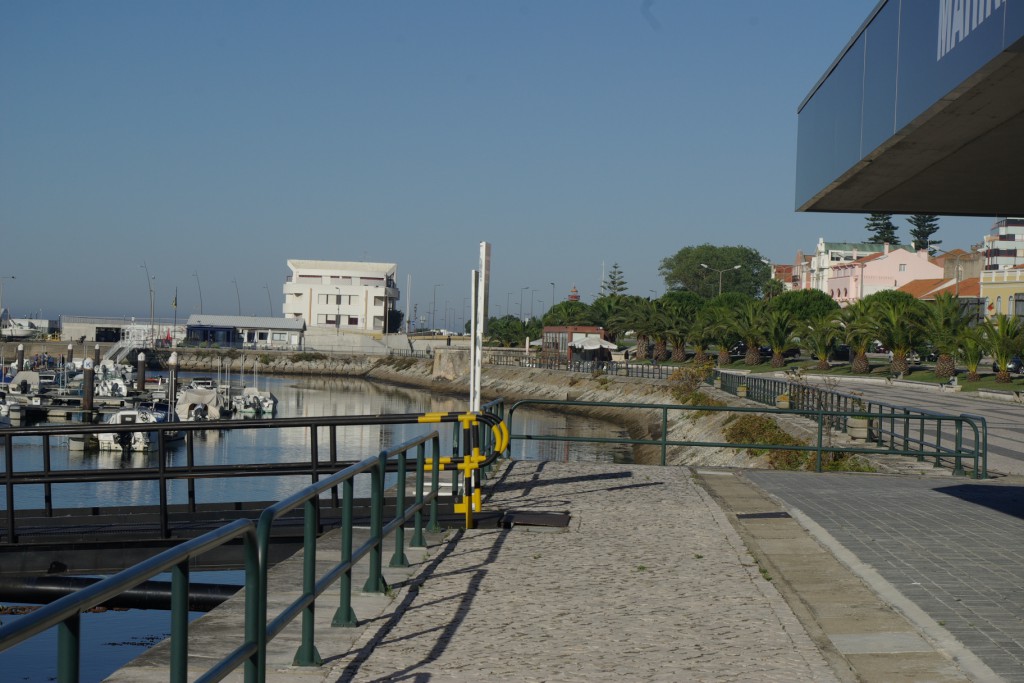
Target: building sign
957	18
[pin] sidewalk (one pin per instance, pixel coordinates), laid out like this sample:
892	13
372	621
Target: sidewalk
669	574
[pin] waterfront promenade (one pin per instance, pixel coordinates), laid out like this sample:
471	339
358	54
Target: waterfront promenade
673	574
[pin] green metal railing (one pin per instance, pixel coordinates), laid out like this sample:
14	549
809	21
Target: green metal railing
66	612
410	457
971	450
946	439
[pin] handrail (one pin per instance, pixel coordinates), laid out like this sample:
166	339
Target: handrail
65	613
822	417
890	422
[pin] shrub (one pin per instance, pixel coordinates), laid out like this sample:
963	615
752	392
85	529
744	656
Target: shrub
685	381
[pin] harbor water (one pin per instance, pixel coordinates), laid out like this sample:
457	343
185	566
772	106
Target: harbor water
112	638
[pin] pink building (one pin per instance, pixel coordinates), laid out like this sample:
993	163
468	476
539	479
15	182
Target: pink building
851	281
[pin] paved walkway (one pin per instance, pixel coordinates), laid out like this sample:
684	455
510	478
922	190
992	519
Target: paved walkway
952	548
669	574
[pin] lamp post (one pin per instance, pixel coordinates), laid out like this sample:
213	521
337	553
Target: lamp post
552	295
238	299
716	270
152	302
532	292
195	274
433	309
2	278
521	290
270	304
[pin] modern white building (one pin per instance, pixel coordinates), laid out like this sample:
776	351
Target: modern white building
816	271
1003	247
348	296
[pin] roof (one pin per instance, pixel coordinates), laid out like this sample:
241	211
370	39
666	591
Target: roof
969	288
247	321
924	288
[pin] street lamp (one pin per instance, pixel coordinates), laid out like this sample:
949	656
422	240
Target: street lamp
270	304
238	299
552	294
195	274
521	290
152	301
2	278
532	292
716	270
433	309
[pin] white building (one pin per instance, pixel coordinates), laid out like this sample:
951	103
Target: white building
1004	245
348	296
818	269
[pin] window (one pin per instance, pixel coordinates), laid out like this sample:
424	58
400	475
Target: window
353	320
280	336
999	304
903	267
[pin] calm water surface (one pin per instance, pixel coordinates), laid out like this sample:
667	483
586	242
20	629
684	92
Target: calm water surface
111	639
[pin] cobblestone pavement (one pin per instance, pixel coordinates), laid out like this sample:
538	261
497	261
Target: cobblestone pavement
954	547
649	582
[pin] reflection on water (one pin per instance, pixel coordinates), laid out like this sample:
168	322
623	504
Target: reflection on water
298	397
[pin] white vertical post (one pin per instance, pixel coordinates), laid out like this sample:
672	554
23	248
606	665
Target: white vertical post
474	367
481	289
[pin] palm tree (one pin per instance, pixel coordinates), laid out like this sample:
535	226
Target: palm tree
680	316
780	332
748	324
897	325
857	331
973	346
819	334
602	313
720	330
943	325
636	314
1004	337
701	334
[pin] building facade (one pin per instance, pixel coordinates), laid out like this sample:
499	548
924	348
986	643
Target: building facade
348	296
853	280
818	269
1003	247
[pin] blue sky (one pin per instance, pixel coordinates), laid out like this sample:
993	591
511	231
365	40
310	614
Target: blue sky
219	138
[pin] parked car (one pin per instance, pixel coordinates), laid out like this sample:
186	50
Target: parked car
1015	366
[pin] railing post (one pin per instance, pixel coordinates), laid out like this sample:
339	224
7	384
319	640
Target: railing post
435	484
398	558
958	465
345	616
375	581
69	648
821	430
938	443
12	535
179	622
308	654
664	436
920	438
417	534
190	458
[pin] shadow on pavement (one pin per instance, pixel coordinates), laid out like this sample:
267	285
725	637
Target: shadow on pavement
1006	499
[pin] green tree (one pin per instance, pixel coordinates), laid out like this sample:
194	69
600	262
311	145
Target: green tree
567	313
804	304
684	270
701	334
615	283
772	289
944	324
780	331
897	322
924	226
819	335
636	315
857	330
1004	337
973	346
603	313
680	309
508	331
882	229
748	324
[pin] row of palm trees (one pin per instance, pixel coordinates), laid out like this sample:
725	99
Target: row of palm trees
664	328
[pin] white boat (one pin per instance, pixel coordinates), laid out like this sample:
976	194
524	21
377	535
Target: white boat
199	404
252	401
140	441
12	329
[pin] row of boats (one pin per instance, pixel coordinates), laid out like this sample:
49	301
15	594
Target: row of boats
201	399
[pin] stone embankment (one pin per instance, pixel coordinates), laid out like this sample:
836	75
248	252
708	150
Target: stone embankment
448	373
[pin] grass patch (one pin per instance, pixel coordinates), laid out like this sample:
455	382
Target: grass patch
758	429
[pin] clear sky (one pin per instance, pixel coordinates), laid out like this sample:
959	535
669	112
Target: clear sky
208	141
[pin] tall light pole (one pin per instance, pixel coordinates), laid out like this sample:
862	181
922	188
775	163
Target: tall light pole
195	274
152	303
2	278
521	290
716	270
532	292
552	295
270	304
433	309
238	298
